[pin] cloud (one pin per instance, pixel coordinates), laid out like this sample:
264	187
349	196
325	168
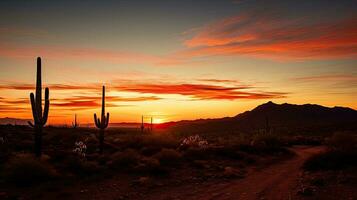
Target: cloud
26	86
335	81
328	78
200	91
275	36
218	80
7	108
212	89
74	102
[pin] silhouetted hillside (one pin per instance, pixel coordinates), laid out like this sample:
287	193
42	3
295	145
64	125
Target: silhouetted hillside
287	118
13	121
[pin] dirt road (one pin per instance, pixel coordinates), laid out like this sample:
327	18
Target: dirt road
276	182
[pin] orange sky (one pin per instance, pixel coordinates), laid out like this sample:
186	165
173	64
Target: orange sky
201	60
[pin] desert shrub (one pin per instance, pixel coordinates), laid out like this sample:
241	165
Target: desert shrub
229	152
124	160
234	140
152	166
341	153
194	153
168	157
140	141
331	160
25	170
80	148
344	142
81	167
267	142
194	141
303	140
150	150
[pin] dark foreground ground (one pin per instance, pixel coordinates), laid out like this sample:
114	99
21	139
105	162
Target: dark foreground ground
161	165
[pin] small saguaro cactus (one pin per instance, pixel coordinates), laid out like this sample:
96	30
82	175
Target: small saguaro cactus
75	124
142	124
36	105
151	126
101	123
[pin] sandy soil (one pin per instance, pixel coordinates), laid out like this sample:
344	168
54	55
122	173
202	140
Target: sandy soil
277	181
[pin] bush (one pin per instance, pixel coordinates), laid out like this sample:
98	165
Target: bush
168	157
331	160
229	152
82	167
25	170
194	153
157	141
152	166
342	153
267	142
125	160
343	142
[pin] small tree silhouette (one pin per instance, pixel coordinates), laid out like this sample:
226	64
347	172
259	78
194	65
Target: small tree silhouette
36	105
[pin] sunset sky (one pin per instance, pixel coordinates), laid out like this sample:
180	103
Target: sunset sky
176	60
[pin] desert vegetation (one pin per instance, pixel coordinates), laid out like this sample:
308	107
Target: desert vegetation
73	154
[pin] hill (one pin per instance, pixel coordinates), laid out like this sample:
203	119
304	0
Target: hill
13	121
287	118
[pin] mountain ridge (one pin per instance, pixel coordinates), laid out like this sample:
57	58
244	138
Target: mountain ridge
282	117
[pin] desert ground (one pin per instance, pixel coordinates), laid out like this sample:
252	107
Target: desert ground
158	164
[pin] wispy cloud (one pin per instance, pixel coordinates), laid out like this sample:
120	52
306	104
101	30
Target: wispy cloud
268	35
74	102
201	91
212	80
211	89
328	78
335	81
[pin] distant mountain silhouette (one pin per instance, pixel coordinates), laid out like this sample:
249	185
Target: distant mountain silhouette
287	118
13	121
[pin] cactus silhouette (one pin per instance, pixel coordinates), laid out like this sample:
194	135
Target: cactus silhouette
102	123
142	124
151	125
36	105
75	124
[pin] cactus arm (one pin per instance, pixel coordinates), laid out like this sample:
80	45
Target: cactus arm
31	124
95	120
107	122
46	108
99	123
33	107
39	90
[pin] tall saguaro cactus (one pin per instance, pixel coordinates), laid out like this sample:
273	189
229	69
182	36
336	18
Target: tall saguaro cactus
102	123
75	124
36	105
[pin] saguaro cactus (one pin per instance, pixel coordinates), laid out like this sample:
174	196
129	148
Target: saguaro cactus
151	125
75	124
102	123
36	105
142	124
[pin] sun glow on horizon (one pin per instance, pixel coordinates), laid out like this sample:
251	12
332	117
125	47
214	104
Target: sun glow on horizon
158	120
